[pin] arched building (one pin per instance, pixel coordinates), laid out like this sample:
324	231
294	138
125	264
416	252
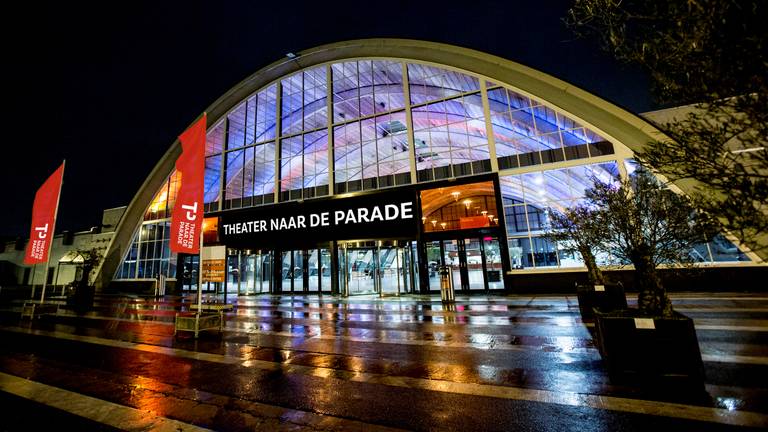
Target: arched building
417	154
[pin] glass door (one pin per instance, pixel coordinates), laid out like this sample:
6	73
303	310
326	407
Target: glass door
474	258
256	272
247	274
325	270
389	271
286	274
395	274
292	273
361	271
191	265
412	256
494	274
453	257
313	270
233	271
434	259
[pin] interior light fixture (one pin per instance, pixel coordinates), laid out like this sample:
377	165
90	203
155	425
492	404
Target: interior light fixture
443	224
467	203
484	212
434	222
456	195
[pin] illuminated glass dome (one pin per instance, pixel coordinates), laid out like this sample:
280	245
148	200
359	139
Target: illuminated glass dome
368	115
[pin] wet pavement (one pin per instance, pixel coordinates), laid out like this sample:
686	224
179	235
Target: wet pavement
364	363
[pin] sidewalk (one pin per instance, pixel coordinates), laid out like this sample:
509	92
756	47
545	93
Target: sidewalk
324	363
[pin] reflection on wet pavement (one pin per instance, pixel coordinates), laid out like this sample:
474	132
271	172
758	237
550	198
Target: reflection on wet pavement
377	360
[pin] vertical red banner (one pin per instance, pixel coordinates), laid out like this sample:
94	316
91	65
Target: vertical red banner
44	218
187	215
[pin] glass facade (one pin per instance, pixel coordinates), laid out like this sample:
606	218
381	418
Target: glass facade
379	123
149	254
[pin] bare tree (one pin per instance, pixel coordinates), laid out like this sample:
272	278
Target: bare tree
712	54
645	223
578	227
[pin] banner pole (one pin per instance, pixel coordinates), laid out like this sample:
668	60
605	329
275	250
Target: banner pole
34	270
200	276
53	231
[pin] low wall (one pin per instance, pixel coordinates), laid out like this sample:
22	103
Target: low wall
712	279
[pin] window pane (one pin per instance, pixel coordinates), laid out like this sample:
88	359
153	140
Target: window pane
428	83
214	139
212	178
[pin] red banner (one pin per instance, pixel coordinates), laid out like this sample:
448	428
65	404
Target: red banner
187	216
43	218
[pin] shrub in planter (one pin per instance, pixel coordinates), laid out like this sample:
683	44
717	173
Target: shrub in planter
646	224
577	228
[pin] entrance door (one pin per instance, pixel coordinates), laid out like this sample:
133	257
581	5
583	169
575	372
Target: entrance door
325	270
395	269
361	271
307	270
313	270
474	264
453	256
257	272
292	273
384	268
191	265
493	270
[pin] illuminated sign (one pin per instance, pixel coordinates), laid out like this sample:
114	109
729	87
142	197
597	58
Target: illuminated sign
390	214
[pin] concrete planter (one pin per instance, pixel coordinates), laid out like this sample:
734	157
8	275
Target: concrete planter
605	298
650	350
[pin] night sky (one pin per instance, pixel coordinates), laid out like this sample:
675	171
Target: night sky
110	87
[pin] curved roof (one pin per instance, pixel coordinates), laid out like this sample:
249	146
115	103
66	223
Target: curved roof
611	121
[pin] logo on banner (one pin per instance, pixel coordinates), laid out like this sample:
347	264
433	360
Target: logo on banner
187	227
37	249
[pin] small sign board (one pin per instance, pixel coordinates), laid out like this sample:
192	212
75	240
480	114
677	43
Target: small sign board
214	261
644	323
599	287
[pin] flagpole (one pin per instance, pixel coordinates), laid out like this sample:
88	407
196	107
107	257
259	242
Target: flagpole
200	276
53	231
34	269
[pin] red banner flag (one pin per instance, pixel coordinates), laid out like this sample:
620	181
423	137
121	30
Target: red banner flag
44	218
187	216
